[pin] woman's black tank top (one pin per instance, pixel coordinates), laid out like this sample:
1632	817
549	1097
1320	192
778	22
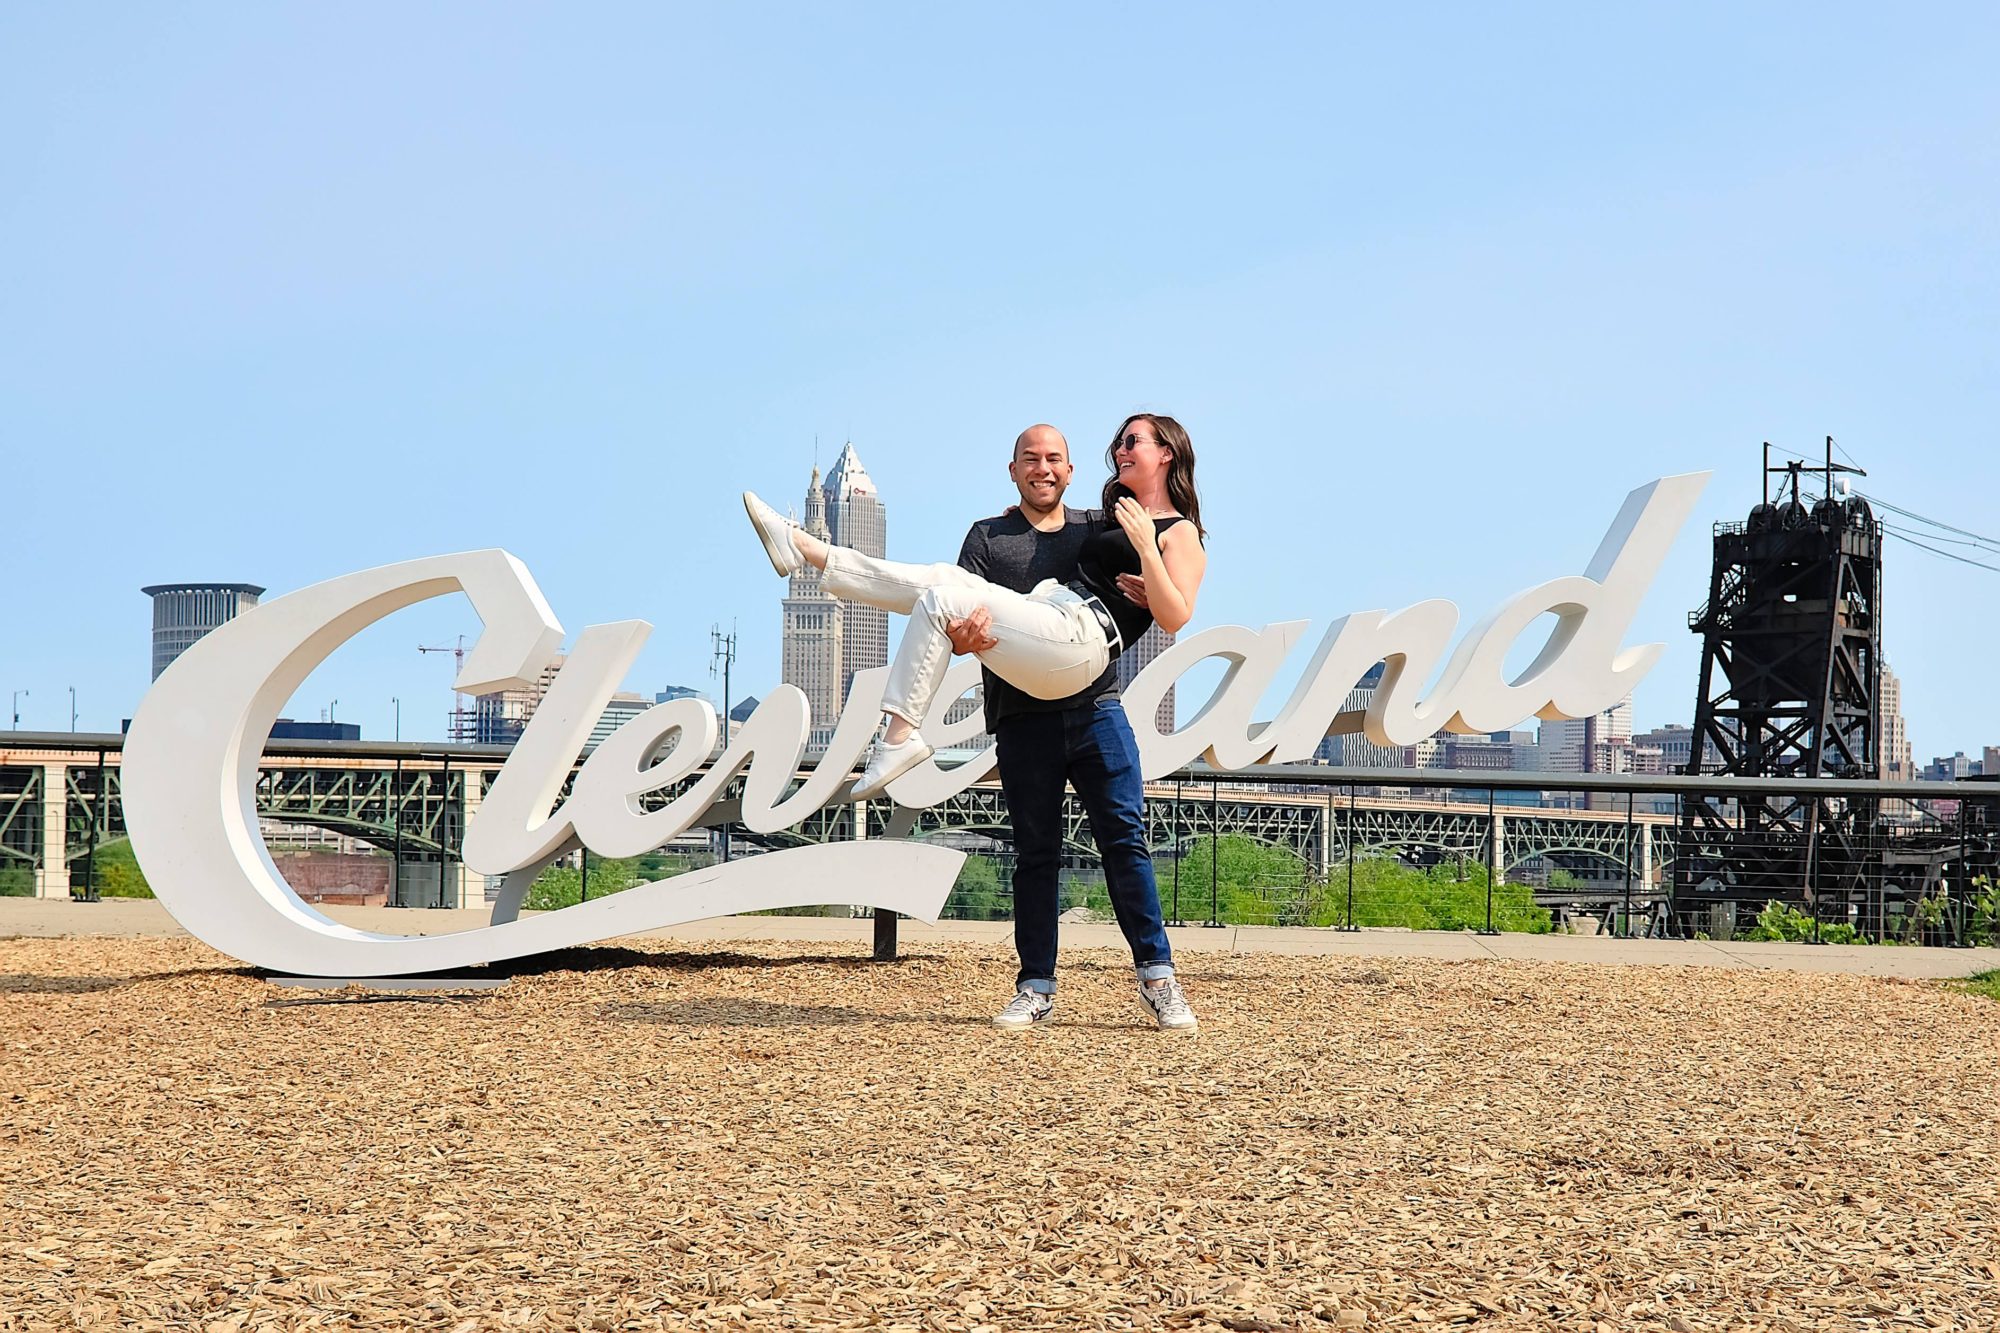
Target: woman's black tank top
1107	553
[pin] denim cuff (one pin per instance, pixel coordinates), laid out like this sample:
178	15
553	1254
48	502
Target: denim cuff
1040	985
1154	971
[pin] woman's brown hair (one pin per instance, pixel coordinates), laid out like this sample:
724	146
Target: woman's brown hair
1174	439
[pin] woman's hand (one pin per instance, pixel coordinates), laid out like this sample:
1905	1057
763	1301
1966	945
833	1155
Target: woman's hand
1138	525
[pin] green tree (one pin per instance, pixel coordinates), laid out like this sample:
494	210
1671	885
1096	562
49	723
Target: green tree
664	865
1780	922
118	874
562	885
17	879
1248	883
977	894
1985	923
1451	896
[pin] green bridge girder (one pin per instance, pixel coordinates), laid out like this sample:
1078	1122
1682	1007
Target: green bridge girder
422	808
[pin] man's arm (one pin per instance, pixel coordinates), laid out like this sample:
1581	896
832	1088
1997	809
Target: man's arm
972	552
973	634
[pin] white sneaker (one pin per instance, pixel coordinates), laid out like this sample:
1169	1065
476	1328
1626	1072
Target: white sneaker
887	762
775	531
1025	1010
1167	1006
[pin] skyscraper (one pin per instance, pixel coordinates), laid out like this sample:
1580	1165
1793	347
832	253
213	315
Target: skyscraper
1355	750
499	718
183	612
855	519
1135	659
815	630
1894	762
1600	743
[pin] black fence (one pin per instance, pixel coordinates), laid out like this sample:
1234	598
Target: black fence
1302	845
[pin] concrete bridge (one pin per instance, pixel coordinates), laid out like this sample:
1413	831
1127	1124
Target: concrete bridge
61	804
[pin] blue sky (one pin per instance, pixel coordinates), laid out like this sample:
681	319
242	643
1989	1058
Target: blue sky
290	292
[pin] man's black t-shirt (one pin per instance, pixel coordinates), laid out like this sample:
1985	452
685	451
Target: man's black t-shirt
1013	553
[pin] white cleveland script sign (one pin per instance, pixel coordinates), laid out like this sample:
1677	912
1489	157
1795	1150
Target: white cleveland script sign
191	758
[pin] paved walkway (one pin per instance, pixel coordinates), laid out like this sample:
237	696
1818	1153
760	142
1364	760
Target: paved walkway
135	917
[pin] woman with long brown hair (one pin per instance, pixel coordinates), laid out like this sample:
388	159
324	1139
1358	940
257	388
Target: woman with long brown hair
1050	642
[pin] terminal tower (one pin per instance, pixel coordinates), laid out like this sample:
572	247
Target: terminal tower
826	641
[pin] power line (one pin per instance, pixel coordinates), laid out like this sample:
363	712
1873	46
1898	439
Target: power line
1922	540
1934	537
1976	564
1931	522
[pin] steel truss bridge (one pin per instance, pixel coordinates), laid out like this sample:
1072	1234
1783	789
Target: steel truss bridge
1324	830
413	801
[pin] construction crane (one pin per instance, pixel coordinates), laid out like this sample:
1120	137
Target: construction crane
464	725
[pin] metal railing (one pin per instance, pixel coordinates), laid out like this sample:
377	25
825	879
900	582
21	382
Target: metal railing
1341	848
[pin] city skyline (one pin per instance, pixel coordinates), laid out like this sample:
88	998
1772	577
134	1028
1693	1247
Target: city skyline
533	296
816	659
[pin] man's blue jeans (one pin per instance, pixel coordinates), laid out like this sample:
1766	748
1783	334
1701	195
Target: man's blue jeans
1090	747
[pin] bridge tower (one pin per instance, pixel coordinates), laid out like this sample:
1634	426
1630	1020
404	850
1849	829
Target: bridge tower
1791	677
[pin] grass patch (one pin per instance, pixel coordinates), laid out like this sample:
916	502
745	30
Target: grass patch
1979	983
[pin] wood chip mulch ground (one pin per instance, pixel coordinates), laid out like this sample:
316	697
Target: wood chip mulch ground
791	1137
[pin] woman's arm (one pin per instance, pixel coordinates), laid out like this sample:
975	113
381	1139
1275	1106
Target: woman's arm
1172	565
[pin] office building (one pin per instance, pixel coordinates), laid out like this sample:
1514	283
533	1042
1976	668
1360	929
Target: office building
619	709
1675	744
1488	751
1135	659
183	612
1600	743
1894	761
500	718
961	709
288	729
1950	768
815	625
856	519
1354	750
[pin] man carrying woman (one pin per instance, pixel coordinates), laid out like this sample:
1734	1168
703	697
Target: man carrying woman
1047	626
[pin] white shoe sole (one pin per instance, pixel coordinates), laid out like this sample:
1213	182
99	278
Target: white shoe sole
1030	1026
783	555
866	789
1154	1018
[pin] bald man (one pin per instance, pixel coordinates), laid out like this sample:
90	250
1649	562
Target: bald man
1083	740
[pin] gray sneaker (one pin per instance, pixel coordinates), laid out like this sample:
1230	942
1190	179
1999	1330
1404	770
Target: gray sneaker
1027	1009
1167	1006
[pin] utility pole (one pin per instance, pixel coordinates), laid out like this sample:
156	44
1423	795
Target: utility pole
399	717
72	710
16	706
722	652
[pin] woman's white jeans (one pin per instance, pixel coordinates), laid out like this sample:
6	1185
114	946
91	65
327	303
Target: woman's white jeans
1049	645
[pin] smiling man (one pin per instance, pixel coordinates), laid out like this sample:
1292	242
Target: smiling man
1083	740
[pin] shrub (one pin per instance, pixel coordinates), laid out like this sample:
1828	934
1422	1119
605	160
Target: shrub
1389	893
118	874
562	885
1779	921
977	894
